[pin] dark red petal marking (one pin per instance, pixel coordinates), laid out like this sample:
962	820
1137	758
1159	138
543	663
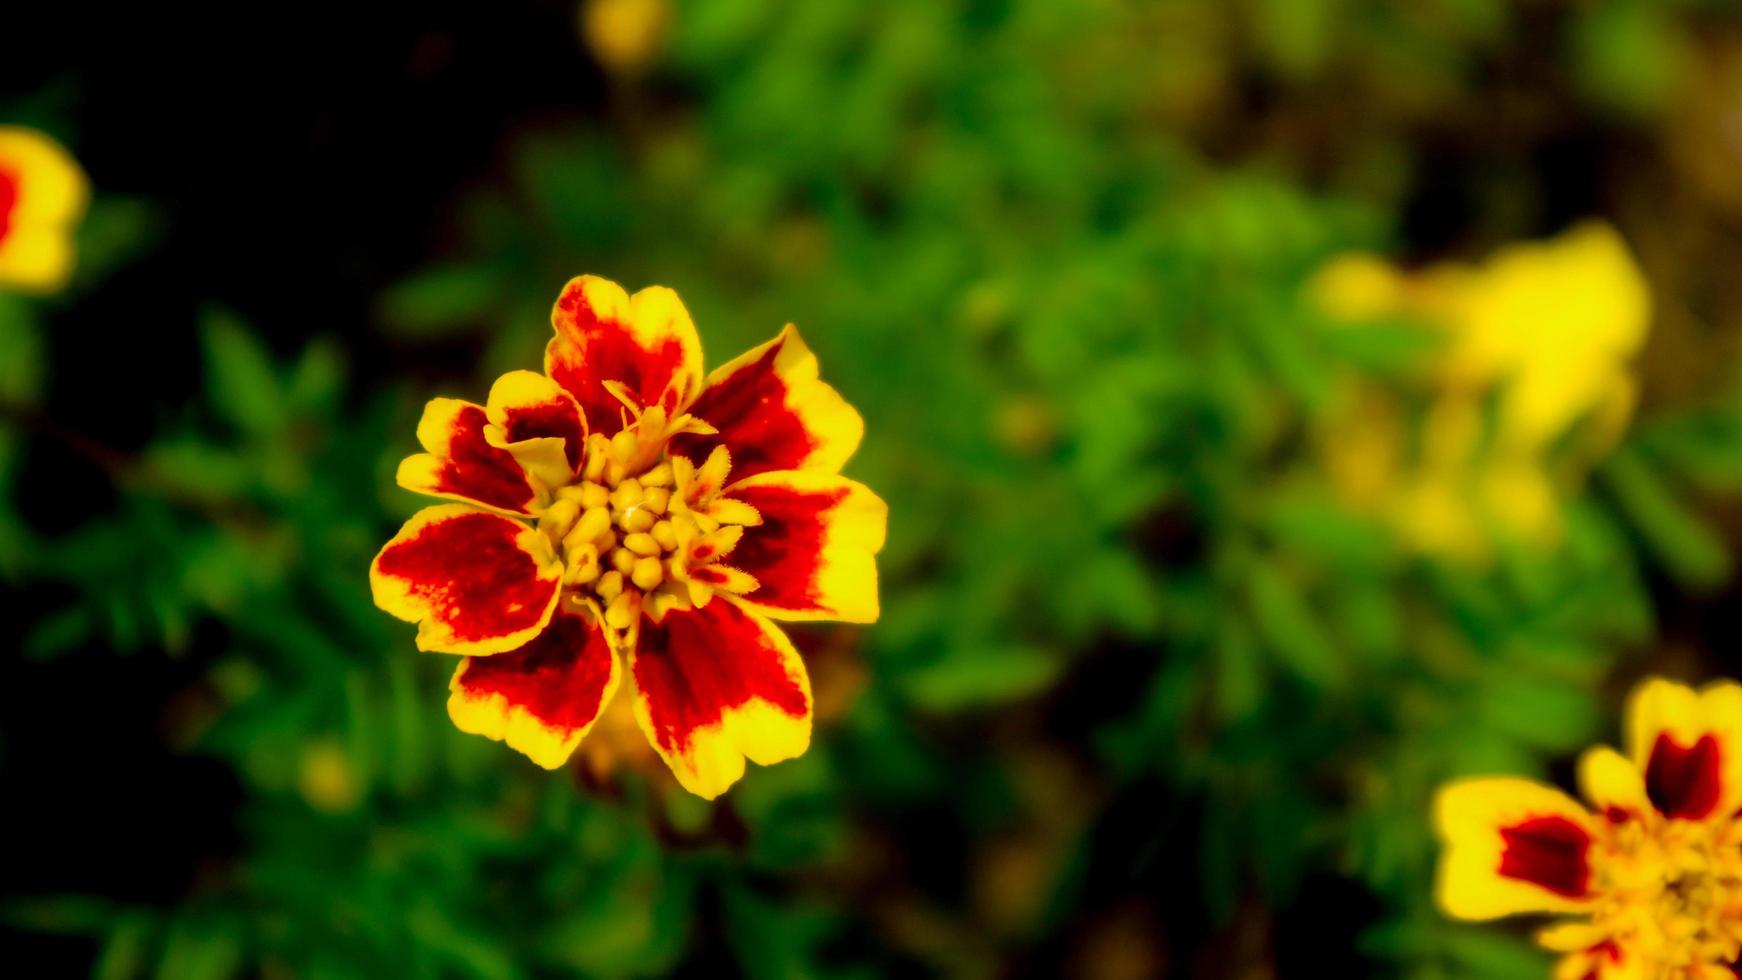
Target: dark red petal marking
476	470
700	663
784	552
8	199
1683	782
557	419
1607	950
473	575
589	351
559	676
749	408
1549	852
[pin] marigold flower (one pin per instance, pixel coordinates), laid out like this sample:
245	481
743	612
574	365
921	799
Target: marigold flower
619	506
1652	870
43	194
1543	331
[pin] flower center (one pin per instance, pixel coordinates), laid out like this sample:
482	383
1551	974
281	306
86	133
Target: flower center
1692	896
643	531
1676	890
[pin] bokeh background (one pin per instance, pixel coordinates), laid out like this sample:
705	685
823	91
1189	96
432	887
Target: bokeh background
1213	550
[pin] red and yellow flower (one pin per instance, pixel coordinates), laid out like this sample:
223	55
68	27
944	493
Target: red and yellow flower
43	194
622	517
1651	871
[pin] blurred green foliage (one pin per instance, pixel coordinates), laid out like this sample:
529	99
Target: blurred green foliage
1031	242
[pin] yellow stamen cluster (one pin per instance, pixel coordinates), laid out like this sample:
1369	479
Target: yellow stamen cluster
642	531
1672	893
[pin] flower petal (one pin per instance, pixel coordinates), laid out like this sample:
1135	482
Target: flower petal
537	422
543	697
773	413
461	464
716	685
814	551
1613	785
647	343
1689	746
36	259
475	583
1511	846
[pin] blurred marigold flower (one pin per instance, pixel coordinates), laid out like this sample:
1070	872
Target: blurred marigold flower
43	194
620	506
624	35
327	779
1536	347
1650	874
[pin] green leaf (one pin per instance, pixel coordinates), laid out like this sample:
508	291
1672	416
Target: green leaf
1685	546
1296	35
125	948
241	381
972	678
1551	715
199	950
23	367
115	232
1381	348
772	942
1319	528
1239	673
1493	955
441	301
60	914
317	380
1290	627
1629	54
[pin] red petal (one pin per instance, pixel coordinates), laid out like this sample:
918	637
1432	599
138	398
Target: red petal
462	464
527	412
646	342
476	583
773	413
715	685
1550	852
813	553
542	697
1683	782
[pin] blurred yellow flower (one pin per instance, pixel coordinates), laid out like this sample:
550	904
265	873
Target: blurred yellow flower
1650	873
1554	323
624	35
43	194
1536	344
1357	286
326	778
